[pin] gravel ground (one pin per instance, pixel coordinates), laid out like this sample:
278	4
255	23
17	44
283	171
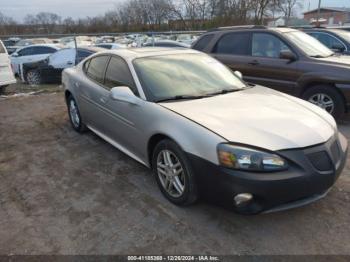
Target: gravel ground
65	193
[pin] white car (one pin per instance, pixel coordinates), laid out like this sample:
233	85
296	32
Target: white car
32	53
6	75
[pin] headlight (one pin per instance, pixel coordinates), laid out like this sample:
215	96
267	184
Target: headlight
238	157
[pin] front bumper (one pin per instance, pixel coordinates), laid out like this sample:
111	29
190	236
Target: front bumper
312	172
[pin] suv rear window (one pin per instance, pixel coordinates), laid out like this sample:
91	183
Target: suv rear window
203	42
234	44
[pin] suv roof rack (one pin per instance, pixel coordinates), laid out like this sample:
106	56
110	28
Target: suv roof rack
239	27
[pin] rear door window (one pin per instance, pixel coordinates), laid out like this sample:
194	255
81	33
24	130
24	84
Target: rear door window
96	68
203	42
234	44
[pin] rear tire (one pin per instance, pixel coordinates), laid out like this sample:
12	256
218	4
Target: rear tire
33	77
326	97
74	115
174	174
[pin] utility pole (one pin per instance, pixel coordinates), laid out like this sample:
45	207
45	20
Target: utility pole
318	13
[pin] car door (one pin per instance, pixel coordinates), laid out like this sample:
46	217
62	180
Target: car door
267	68
124	120
63	58
92	94
233	50
6	74
19	57
39	53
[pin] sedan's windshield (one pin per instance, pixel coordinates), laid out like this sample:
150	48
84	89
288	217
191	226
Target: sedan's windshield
308	44
185	76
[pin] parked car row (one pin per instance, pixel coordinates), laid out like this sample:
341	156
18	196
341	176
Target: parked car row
286	59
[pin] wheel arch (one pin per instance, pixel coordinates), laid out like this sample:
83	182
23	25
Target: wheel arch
308	85
152	143
67	94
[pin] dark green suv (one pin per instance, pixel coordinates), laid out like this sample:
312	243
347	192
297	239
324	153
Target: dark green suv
284	59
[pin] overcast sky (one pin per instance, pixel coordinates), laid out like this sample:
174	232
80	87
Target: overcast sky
82	8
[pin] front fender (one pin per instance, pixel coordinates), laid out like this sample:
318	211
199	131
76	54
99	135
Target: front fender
320	78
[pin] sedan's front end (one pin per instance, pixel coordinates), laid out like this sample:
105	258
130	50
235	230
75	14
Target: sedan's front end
252	180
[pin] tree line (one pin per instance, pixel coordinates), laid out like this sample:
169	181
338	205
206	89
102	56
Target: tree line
155	15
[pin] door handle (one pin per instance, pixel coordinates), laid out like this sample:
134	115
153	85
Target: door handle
254	63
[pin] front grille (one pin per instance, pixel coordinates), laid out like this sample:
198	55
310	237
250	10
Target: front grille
320	160
335	152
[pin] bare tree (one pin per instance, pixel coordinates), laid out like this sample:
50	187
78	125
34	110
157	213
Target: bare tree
287	7
144	15
260	8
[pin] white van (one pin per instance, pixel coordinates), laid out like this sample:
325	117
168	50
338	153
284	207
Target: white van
6	74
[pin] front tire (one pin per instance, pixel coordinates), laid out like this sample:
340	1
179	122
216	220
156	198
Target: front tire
326	97
33	77
174	174
74	115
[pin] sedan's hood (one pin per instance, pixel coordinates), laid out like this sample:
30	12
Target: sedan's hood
261	117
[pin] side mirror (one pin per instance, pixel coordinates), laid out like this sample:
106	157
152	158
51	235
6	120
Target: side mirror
123	94
238	74
338	47
288	55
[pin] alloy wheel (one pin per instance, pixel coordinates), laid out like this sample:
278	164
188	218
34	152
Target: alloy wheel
33	78
171	173
324	101
74	115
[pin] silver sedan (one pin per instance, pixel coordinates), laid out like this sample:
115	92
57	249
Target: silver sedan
204	131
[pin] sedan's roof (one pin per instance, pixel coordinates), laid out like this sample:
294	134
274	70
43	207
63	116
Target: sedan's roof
56	46
132	53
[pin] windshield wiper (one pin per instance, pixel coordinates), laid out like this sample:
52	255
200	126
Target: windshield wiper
317	56
224	91
184	97
180	97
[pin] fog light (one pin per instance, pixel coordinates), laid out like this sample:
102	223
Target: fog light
243	199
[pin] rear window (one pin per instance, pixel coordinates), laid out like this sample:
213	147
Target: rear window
96	68
203	42
234	44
